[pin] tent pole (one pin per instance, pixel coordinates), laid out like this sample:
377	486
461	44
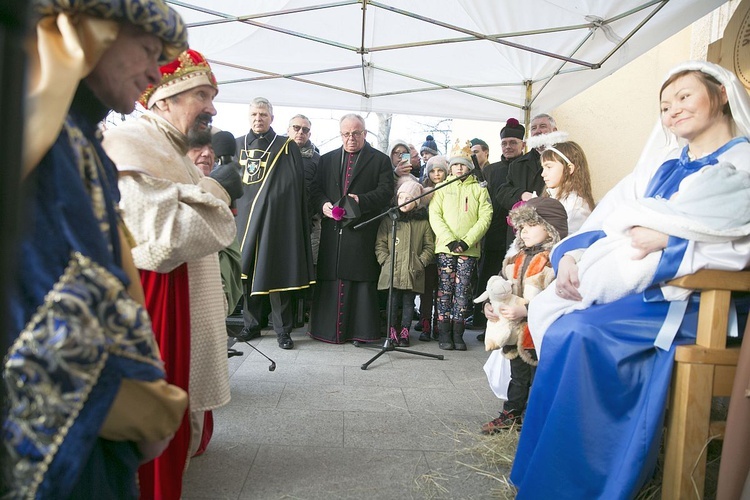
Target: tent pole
527	105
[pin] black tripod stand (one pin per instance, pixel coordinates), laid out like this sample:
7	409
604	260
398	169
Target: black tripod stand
393	213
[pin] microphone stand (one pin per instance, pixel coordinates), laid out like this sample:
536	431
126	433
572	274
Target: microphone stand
393	213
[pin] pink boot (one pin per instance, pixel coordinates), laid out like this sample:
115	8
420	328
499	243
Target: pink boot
403	340
393	336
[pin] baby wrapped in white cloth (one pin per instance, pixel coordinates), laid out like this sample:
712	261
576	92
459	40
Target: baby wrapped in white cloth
711	205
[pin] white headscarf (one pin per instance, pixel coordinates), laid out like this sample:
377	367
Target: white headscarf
739	101
660	143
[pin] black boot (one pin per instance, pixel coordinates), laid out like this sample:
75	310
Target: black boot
444	336
458	335
435	329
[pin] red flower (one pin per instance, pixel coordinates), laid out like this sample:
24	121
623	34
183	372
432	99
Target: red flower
338	213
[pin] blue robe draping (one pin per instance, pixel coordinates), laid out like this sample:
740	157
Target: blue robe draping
76	334
596	408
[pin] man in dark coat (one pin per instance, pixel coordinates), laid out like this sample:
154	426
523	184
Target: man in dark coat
525	173
496	241
345	303
300	130
272	225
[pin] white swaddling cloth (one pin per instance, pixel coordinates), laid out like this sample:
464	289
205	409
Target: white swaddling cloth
711	205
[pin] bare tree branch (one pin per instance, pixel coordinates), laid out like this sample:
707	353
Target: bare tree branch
384	130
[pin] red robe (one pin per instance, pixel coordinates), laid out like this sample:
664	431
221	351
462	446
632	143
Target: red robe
168	304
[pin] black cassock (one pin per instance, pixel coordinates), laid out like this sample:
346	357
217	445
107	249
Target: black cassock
345	303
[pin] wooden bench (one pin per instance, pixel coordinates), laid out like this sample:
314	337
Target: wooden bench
702	371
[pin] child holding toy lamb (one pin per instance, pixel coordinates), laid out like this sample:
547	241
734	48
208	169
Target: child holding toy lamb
539	224
414	250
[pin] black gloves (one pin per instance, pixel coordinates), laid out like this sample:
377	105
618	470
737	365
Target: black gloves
228	176
457	246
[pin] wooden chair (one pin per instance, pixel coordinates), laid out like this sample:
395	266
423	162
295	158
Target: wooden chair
702	371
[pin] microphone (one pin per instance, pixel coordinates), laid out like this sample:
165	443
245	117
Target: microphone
227	173
473	160
477	172
224	146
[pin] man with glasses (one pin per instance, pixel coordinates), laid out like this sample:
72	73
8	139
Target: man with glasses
352	185
299	131
496	240
272	225
525	172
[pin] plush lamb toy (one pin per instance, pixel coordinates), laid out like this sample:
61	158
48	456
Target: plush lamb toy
503	331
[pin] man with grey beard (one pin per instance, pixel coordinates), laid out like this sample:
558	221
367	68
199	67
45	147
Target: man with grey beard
179	220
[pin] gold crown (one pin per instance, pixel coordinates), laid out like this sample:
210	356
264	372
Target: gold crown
190	69
461	154
458	150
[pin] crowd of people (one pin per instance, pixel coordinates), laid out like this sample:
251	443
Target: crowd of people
141	244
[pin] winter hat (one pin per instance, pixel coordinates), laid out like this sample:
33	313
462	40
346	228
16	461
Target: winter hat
395	143
512	129
461	155
548	212
479	142
430	146
407	191
438	162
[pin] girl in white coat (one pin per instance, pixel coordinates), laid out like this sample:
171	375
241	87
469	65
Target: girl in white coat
565	171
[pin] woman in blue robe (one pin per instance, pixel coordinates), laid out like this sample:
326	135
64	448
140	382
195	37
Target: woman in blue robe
596	409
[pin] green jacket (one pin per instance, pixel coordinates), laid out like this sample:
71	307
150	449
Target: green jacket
231	273
460	211
415	249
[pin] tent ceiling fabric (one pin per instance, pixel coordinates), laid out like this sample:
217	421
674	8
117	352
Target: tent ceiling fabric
476	59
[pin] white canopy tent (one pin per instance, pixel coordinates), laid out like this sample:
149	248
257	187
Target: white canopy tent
475	59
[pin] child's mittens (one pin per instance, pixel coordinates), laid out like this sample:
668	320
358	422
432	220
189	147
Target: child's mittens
457	246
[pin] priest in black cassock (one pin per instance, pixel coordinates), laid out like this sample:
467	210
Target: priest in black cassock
272	225
345	303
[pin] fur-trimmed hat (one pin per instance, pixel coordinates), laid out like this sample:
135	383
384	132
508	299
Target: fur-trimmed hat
437	162
513	129
546	140
430	146
188	71
547	212
461	155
